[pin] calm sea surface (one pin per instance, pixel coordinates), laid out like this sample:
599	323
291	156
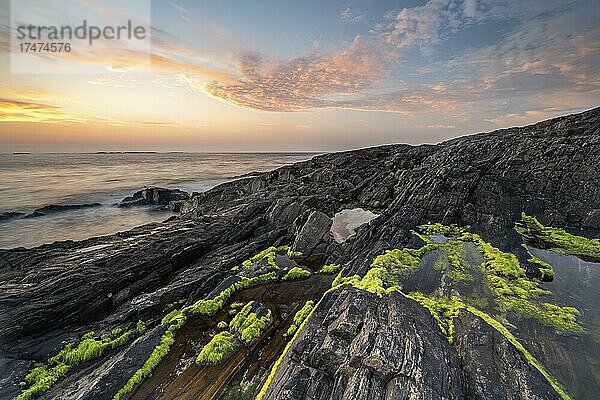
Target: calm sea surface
31	181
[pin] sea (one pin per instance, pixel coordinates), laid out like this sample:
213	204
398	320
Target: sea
32	181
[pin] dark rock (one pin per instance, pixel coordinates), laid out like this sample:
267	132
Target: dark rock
361	346
53	209
246	175
156	196
10	215
492	368
314	236
592	219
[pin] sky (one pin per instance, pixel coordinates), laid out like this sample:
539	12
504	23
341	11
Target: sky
305	75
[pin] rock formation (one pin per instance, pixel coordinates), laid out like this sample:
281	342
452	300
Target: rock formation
157	197
355	345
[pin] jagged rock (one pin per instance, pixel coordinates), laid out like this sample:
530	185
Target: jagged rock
156	196
361	346
492	367
314	236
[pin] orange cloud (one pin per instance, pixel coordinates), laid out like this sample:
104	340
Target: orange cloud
24	111
303	83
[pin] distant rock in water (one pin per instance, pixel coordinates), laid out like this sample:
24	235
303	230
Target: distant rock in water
250	174
10	215
172	198
54	208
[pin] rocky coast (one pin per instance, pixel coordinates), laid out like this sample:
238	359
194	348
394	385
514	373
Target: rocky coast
386	319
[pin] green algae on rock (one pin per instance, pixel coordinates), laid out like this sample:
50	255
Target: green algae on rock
177	318
222	325
557	239
299	317
443	310
296	273
248	324
219	346
45	375
331	269
270	254
528	356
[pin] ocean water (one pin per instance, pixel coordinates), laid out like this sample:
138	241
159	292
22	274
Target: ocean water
31	181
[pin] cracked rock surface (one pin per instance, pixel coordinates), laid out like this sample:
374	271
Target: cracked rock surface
361	346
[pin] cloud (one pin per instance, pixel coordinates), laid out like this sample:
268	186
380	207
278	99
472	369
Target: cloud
348	78
470	8
427	24
184	13
39	106
436	126
307	82
179	8
25	111
524	118
349	15
543	55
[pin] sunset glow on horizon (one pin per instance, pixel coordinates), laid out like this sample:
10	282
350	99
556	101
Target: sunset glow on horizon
310	76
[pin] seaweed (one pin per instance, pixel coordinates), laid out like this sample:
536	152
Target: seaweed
248	324
331	269
270	254
443	310
177	318
158	353
513	340
222	325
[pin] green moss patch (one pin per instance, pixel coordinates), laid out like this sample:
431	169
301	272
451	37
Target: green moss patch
517	293
158	353
443	310
557	239
331	269
546	269
296	273
177	318
270	254
300	316
528	356
45	375
222	325
438	229
219	346
247	323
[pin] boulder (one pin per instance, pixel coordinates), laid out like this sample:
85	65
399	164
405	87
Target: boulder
156	196
314	236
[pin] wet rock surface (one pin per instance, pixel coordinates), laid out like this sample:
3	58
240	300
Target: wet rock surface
53	293
361	346
511	377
